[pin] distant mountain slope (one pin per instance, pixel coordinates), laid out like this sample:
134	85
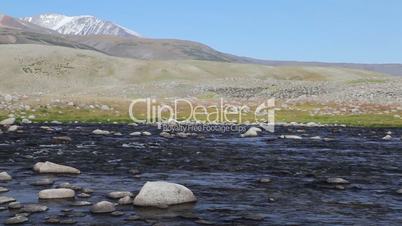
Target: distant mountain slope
80	25
122	42
58	70
153	49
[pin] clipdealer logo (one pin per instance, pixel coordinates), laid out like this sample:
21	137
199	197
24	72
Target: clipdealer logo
183	110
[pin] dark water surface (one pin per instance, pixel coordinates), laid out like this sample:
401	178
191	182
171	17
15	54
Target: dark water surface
222	170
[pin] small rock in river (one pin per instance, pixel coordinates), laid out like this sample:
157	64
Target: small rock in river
49	167
14	205
43	182
4	176
399	191
16	220
264	180
84	195
387	137
34	208
81	203
127	200
146	133
59	193
12	128
3	189
252	132
101	132
117	213
6	199
119	194
294	137
103	207
135	134
62	139
337	180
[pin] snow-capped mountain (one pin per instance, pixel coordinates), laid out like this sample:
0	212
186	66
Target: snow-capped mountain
80	25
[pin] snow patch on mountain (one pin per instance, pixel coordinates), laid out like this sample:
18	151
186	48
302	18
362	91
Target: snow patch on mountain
80	25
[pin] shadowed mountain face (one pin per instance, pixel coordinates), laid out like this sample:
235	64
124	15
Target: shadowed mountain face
88	33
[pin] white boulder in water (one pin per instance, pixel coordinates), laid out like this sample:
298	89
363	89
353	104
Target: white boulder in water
337	180
163	194
252	132
49	167
59	193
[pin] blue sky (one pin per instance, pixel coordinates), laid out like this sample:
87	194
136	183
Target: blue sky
360	31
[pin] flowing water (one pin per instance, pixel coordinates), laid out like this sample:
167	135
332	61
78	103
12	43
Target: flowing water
223	172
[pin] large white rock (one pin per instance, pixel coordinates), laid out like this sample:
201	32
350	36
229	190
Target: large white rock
163	194
49	167
252	132
59	193
7	122
4	176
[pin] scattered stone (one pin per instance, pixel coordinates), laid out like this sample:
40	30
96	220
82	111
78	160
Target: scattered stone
119	194
399	191
4	176
264	180
103	207
3	189
81	203
337	180
34	208
253	217
68	221
14	205
87	190
133	218
127	200
26	121
6	199
62	139
56	122
294	137
59	193
163	194
204	222
316	138
52	220
252	132
101	132
16	220
47	128
387	137
134	171
43	182
7	122
135	134
69	186
84	195
49	167
105	108
167	135
117	213
146	133
12	128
